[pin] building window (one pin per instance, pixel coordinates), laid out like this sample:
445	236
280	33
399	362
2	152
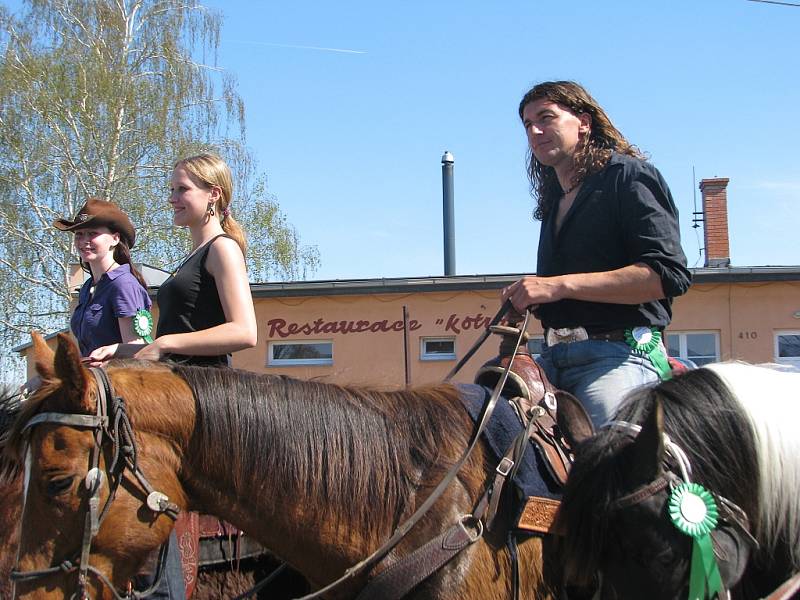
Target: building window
536	345
300	353
787	347
699	347
439	348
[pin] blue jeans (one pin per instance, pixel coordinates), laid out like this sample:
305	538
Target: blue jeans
171	586
598	373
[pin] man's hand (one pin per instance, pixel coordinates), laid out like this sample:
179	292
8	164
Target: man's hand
531	291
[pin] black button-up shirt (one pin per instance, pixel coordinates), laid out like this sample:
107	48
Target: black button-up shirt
622	215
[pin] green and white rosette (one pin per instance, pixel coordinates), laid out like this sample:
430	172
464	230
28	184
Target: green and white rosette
693	511
647	340
143	325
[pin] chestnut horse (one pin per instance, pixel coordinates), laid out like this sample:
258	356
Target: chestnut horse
733	429
320	474
11	493
213	581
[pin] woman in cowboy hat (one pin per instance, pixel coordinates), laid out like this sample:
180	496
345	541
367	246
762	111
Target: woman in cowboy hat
113	309
109	301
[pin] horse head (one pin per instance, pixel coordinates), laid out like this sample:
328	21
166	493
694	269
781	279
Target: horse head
615	521
83	486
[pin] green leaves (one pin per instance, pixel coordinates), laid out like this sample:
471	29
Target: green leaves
100	98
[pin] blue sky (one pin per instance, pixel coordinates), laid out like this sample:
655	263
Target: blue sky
352	141
351	104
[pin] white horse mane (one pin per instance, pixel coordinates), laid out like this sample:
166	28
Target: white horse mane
770	396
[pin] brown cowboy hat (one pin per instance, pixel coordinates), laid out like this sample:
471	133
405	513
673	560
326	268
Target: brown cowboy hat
101	212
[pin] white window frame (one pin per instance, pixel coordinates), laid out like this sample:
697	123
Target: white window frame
294	362
683	345
786	360
424	355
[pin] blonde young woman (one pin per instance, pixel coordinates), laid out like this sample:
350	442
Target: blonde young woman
205	307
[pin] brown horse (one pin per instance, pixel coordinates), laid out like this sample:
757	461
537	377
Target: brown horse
320	474
226	574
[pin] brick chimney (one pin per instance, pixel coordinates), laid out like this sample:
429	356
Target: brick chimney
715	216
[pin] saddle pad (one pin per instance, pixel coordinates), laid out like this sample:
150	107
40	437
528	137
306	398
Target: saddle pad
533	477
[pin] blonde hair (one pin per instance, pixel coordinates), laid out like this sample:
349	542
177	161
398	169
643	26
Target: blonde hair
210	170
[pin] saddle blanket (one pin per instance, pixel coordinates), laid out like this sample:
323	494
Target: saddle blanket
533	477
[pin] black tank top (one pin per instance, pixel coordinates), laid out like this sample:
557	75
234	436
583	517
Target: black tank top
188	301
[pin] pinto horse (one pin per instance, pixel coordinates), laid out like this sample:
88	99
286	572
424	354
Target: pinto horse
738	428
320	474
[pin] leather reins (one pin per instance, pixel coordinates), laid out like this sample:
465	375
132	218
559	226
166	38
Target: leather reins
467	530
110	423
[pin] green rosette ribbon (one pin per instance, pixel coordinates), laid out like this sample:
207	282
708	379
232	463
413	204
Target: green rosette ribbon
693	511
647	340
143	325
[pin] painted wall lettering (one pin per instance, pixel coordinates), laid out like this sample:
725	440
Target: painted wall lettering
458	324
453	323
282	328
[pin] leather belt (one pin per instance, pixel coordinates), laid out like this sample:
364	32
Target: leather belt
566	335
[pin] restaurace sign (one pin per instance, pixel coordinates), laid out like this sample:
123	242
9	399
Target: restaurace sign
452	324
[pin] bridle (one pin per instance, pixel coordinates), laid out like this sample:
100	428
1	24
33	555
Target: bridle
668	479
111	426
729	510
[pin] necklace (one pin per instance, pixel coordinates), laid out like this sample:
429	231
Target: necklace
186	258
94	283
571	188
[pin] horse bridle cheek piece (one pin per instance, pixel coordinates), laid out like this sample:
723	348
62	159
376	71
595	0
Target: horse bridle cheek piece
111	424
694	511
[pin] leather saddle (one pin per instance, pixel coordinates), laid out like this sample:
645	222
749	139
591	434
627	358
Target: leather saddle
532	395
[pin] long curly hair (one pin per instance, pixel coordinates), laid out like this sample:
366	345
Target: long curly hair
591	155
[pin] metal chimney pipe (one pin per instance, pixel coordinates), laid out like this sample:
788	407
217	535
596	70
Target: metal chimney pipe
448	215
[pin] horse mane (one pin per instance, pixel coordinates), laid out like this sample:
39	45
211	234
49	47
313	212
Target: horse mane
10	407
352	448
768	395
702	416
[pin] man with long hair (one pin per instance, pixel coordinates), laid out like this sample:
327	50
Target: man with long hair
610	258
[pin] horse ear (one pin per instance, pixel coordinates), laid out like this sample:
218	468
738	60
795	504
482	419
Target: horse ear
42	356
573	420
648	448
69	369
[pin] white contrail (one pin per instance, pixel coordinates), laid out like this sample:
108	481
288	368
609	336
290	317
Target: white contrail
342	50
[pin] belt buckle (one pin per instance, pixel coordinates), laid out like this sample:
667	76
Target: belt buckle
565	335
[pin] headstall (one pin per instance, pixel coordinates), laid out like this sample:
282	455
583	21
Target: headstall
693	510
111	426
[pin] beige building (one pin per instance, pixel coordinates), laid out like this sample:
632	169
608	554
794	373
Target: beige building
389	332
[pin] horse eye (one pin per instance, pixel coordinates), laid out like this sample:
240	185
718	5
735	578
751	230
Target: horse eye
56	487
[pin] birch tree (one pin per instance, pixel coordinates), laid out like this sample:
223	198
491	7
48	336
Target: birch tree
99	98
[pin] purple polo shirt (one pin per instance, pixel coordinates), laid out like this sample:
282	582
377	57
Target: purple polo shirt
118	294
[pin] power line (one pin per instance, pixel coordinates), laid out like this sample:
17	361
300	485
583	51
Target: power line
776	2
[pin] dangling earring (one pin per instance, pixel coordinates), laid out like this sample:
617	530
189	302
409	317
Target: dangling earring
211	210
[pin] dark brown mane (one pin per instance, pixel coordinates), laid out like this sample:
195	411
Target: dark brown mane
310	434
10	407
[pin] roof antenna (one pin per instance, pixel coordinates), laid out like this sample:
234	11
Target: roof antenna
697	218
